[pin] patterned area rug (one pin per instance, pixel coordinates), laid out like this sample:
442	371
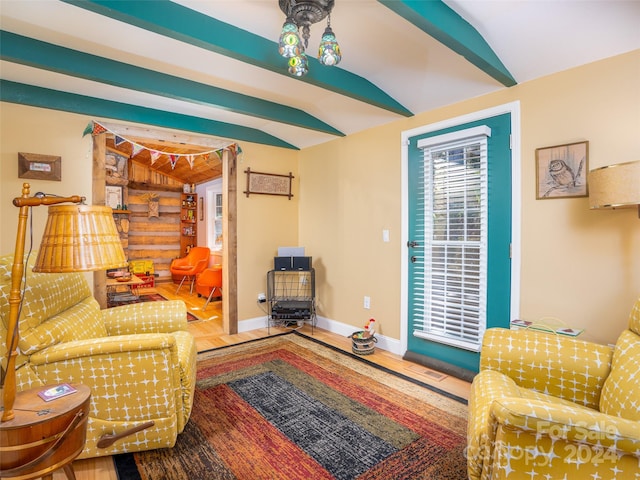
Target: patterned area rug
149	297
292	408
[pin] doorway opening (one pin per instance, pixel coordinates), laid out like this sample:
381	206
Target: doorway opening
159	164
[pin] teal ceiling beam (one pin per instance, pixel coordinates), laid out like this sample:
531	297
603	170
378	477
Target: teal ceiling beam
442	23
186	25
22	94
34	53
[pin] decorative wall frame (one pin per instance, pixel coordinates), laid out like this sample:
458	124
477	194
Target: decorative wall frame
39	167
113	196
201	208
561	171
268	184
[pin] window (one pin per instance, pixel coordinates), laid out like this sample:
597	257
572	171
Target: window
214	214
455	235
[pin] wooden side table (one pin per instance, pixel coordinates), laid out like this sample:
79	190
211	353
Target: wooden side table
113	284
44	436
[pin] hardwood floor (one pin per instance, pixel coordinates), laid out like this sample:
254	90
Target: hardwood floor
208	334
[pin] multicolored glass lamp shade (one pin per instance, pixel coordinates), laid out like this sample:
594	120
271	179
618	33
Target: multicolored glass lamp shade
299	65
329	50
289	44
300	15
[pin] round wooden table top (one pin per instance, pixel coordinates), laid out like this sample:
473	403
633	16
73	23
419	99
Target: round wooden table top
44	436
30	409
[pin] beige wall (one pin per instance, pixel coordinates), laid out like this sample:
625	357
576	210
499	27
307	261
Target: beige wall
265	222
580	266
48	132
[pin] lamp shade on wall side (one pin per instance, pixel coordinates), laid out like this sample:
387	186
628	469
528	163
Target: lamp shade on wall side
615	186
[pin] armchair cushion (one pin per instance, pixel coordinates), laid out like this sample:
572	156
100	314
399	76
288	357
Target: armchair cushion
61	302
63	327
560	366
621	391
182	267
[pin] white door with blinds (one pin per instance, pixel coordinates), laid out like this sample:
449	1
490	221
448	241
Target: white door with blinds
459	234
455	238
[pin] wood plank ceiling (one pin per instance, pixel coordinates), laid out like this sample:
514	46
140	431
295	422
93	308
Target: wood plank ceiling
206	166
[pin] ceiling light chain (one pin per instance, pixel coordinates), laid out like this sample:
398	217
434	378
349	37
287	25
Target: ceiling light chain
303	14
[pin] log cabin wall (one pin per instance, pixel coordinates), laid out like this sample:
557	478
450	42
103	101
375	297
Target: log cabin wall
150	237
154	238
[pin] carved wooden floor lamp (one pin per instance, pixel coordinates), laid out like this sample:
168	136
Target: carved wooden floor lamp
37	438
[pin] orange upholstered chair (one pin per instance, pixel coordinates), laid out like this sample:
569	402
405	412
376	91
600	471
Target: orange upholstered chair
190	266
208	282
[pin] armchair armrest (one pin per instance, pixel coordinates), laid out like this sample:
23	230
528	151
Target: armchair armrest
113	346
560	422
559	366
152	317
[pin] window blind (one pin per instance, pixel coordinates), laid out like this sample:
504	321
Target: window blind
450	298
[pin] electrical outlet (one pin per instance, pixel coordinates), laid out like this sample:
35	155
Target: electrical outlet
262	298
367	302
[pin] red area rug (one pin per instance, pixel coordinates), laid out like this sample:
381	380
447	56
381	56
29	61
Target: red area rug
149	297
292	408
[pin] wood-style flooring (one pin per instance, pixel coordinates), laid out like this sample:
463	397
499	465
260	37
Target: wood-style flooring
208	334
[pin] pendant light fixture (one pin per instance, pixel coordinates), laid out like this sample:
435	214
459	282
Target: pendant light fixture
329	50
301	14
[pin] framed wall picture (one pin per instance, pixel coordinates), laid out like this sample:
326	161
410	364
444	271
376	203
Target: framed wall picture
39	167
113	196
561	171
268	183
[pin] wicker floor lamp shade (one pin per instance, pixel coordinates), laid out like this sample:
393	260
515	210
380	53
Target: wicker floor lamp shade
79	238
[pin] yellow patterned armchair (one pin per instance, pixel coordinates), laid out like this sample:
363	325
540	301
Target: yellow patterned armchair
138	360
551	407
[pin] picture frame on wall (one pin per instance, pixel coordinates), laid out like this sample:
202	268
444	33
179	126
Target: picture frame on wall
113	196
561	171
268	183
39	167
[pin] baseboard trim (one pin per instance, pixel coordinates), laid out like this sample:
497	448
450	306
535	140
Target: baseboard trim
388	344
385	343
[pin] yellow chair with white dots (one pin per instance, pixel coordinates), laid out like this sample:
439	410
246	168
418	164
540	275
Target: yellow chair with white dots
138	360
546	406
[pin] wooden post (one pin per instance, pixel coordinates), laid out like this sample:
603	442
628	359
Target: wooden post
99	182
230	243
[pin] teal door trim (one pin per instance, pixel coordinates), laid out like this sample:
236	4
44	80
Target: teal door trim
514	110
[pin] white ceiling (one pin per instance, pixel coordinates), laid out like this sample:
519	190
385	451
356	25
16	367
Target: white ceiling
532	38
